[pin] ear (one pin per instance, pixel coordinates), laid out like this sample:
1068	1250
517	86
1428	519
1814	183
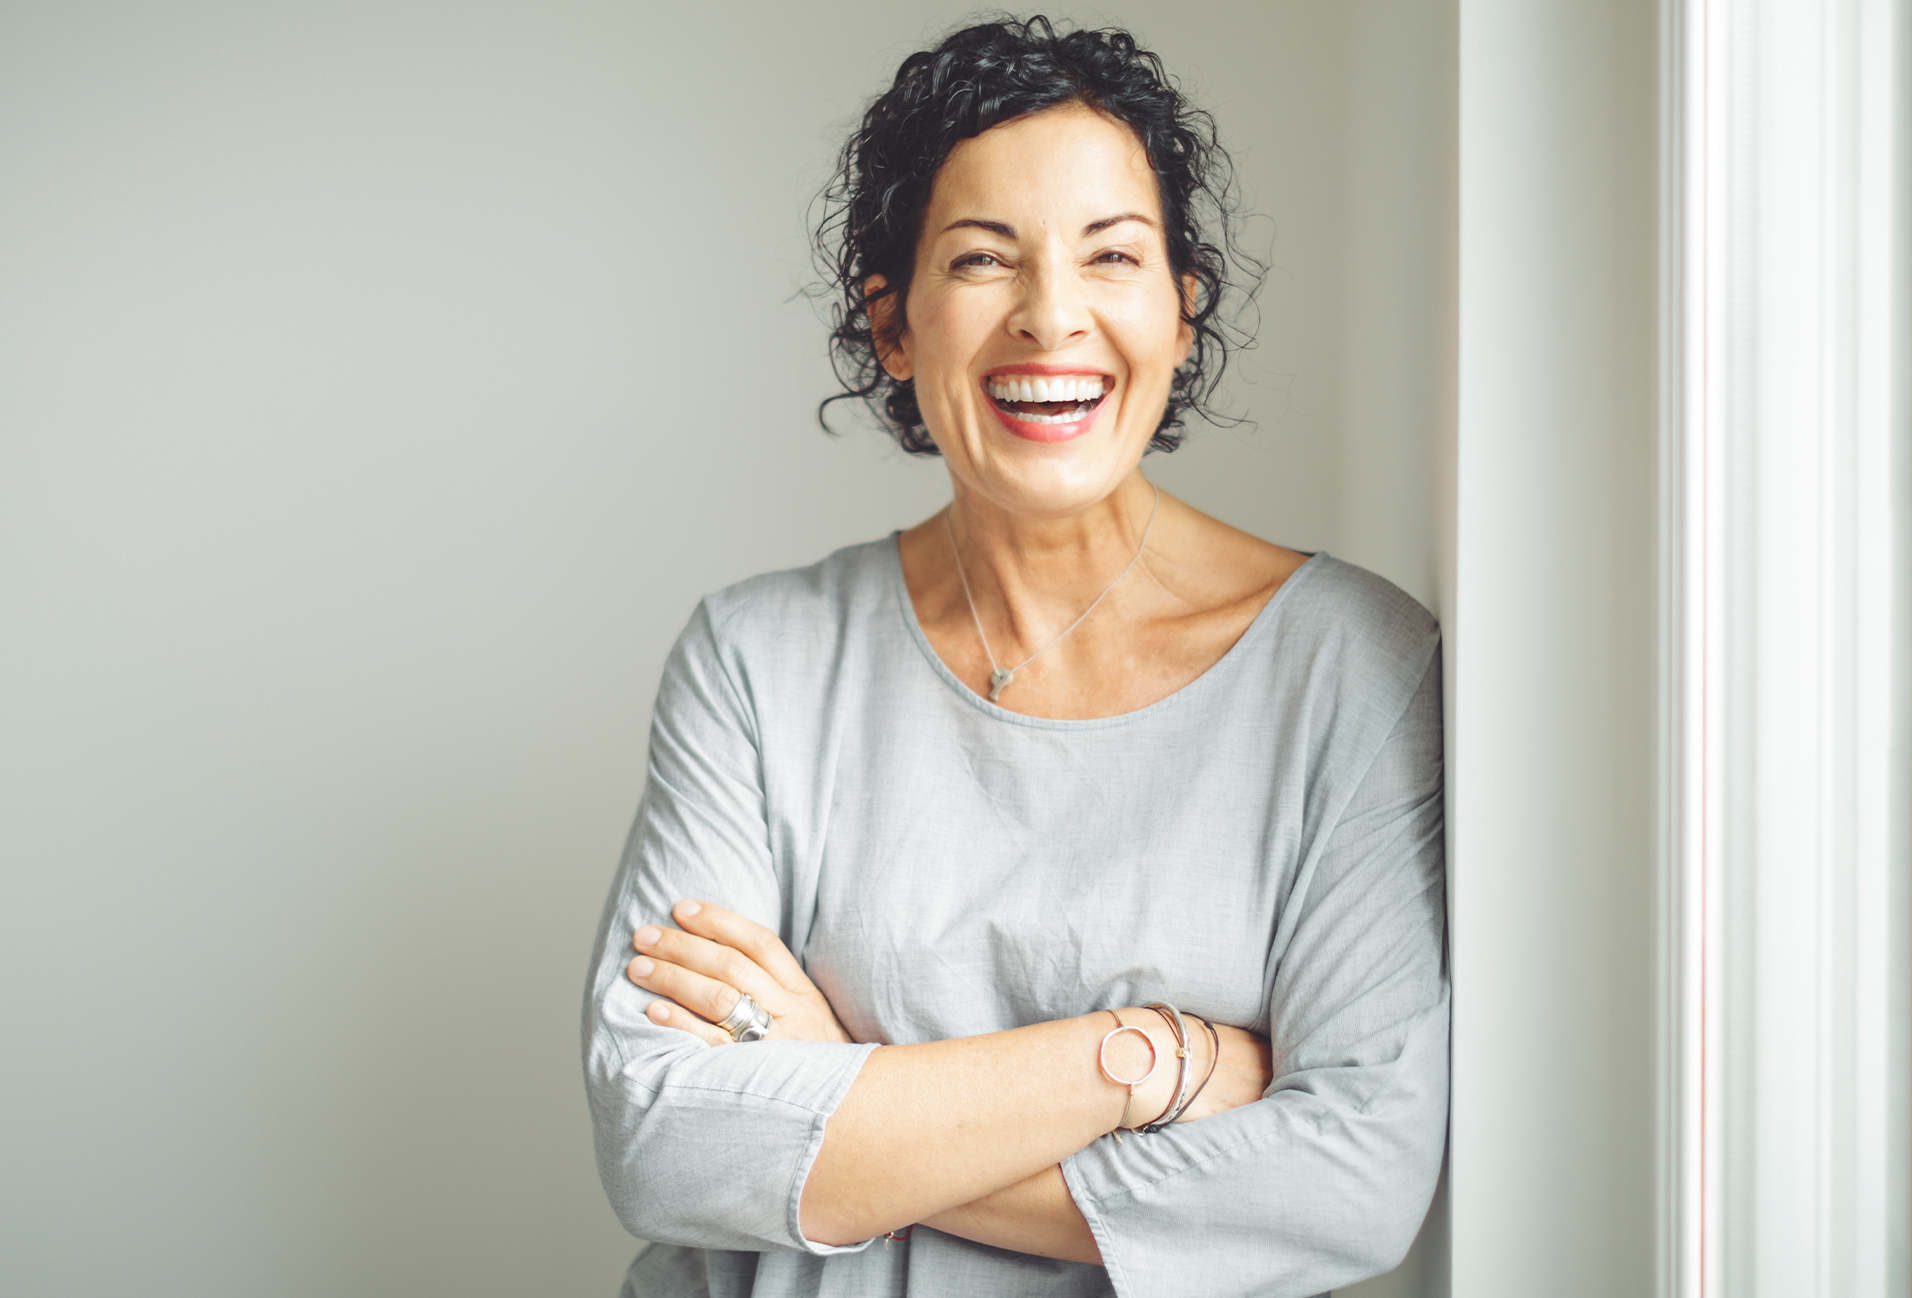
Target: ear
1191	286
892	343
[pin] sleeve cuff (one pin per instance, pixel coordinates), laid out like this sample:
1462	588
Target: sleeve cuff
814	1146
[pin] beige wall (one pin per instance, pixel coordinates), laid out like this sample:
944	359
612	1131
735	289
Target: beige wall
380	385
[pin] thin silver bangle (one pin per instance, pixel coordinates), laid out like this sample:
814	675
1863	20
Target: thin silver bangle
1214	1062
1186	1072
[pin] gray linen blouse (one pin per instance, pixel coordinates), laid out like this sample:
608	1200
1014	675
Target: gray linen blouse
1262	847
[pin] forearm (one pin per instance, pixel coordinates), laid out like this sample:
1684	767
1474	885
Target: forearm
928	1128
1036	1216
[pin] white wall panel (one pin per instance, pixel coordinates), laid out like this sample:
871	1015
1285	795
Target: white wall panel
1789	444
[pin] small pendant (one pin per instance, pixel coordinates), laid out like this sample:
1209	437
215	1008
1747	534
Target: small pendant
999	681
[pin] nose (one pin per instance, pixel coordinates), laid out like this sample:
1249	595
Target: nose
1052	311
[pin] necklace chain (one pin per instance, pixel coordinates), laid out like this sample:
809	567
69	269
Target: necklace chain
1000	677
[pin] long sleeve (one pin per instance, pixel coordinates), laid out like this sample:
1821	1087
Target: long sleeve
1326	1179
699	1145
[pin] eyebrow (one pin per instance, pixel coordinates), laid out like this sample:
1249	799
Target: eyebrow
1008	231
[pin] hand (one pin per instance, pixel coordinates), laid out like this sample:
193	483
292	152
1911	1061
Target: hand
1243	1075
717	955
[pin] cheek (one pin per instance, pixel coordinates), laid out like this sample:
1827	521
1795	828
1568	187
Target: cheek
1156	352
1152	333
946	330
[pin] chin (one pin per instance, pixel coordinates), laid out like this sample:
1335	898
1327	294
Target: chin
1055	486
1046	477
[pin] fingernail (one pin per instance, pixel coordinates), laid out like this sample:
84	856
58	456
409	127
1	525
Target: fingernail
648	935
642	966
688	908
659	1011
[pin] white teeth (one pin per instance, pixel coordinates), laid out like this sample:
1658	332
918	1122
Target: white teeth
1060	388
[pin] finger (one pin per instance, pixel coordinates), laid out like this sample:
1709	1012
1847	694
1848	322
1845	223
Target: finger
691	990
713	960
762	945
667	1015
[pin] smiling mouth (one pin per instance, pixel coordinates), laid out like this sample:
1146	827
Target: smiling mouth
1061	399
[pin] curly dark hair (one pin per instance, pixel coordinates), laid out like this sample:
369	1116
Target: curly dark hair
979	77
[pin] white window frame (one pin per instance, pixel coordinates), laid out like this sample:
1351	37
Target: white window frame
1784	1087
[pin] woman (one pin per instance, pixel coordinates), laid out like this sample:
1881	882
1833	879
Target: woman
1066	750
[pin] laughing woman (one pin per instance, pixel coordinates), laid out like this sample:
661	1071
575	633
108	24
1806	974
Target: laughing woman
1046	899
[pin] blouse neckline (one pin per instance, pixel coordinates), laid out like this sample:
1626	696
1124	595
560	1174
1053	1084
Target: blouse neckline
1257	628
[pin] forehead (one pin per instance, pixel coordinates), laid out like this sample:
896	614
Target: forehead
1054	165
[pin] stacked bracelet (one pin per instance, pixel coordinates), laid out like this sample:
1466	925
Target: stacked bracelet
1184	1098
1179	1029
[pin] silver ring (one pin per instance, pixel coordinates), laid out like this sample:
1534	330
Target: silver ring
747	1020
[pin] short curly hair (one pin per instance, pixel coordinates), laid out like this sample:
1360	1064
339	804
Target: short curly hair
979	77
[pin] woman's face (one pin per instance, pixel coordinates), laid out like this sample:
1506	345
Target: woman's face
1043	325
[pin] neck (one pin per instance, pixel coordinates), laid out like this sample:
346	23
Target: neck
1041	572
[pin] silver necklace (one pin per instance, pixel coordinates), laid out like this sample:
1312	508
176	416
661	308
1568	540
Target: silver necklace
1000	677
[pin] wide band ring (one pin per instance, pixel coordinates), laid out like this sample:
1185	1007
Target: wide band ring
747	1020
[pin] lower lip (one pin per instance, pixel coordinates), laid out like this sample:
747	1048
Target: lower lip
1045	432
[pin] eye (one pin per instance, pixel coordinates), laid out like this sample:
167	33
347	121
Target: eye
977	259
1114	257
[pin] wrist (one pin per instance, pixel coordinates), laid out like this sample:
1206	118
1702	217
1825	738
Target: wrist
1128	1063
1169	1072
1142	1049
